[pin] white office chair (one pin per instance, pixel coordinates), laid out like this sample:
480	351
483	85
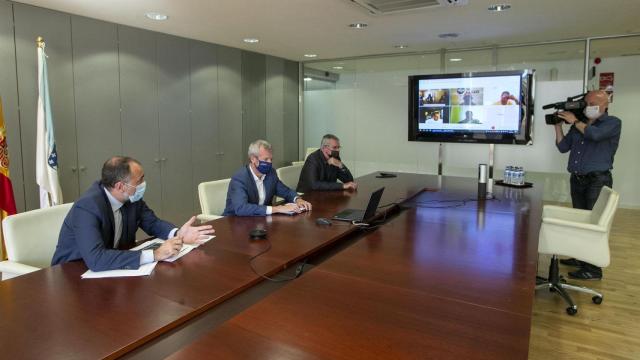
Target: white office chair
289	175
31	238
213	197
310	151
582	234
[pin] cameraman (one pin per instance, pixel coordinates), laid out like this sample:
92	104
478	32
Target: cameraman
593	145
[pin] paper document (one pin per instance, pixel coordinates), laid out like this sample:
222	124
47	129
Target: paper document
186	248
143	270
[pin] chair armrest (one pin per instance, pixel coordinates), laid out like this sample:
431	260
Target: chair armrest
297	162
566	213
205	217
574	224
12	269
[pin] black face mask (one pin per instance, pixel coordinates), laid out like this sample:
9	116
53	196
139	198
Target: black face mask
335	154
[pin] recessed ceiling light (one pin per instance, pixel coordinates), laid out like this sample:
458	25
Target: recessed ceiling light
250	40
358	25
448	35
499	7
455	59
400	46
156	16
337	68
310	55
307	79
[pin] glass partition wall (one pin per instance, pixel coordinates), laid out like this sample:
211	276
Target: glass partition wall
364	101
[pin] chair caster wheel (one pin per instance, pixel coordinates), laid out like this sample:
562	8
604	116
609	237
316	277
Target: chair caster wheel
597	300
572	311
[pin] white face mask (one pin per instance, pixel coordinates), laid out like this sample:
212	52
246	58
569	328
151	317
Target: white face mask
592	112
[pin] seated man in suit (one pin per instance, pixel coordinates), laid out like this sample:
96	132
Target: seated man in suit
253	187
323	168
102	223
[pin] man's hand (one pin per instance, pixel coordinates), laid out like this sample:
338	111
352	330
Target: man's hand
286	208
568	117
350	186
169	248
304	205
194	234
335	162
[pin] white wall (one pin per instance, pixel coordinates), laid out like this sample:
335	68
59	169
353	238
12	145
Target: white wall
368	111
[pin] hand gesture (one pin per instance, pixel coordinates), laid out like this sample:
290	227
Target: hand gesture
194	234
335	162
304	205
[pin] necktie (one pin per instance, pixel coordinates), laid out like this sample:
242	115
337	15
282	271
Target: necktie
117	229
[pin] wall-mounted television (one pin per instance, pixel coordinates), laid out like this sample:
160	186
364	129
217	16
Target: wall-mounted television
477	107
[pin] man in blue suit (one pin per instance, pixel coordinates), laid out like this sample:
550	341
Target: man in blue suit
102	223
253	187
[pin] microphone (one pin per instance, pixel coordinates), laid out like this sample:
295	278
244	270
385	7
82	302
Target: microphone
550	106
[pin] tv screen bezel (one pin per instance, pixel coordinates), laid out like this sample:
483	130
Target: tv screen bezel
522	137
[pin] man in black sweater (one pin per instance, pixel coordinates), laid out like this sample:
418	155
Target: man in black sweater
323	168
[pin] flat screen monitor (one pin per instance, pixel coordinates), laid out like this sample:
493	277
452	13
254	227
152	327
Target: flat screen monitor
477	107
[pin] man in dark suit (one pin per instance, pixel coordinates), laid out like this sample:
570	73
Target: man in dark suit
253	187
323	168
102	223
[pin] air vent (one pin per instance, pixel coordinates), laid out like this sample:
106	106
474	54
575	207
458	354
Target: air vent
383	7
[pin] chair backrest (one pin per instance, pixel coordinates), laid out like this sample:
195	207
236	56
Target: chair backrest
605	207
310	151
31	237
289	175
213	196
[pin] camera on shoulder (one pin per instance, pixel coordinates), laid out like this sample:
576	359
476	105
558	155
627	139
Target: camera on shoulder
574	104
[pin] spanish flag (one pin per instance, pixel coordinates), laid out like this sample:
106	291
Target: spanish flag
7	201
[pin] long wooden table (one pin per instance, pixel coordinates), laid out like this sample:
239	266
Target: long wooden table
442	283
54	314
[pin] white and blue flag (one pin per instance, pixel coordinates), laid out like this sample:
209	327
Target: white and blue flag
46	155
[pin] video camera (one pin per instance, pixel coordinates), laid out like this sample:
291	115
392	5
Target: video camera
574	104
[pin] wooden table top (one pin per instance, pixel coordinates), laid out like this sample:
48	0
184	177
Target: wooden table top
55	314
445	279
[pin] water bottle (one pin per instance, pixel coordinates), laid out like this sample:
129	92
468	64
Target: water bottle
519	176
522	182
507	175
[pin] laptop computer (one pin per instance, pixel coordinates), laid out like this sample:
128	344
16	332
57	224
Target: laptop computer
361	215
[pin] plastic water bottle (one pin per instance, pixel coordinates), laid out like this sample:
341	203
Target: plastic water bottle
522	173
507	173
518	176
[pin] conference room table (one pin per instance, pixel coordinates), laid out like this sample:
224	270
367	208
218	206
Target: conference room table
438	275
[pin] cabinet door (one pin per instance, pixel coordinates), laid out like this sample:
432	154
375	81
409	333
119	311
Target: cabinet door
175	128
204	114
96	91
232	154
139	99
9	98
290	114
253	97
55	27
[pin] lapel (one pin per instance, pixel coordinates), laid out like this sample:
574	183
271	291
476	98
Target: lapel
105	208
252	188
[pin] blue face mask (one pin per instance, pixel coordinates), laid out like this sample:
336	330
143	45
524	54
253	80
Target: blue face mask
139	192
264	167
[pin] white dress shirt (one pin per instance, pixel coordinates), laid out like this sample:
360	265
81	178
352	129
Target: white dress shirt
261	192
147	255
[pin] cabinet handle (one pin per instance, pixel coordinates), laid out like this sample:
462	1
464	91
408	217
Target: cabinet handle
82	168
156	160
163	159
74	169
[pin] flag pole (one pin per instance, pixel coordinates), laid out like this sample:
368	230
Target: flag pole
40	42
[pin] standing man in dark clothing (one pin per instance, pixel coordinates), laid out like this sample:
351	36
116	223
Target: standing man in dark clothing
323	168
593	145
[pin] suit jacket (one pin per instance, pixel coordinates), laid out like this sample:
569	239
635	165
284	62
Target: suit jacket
317	174
88	230
242	196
